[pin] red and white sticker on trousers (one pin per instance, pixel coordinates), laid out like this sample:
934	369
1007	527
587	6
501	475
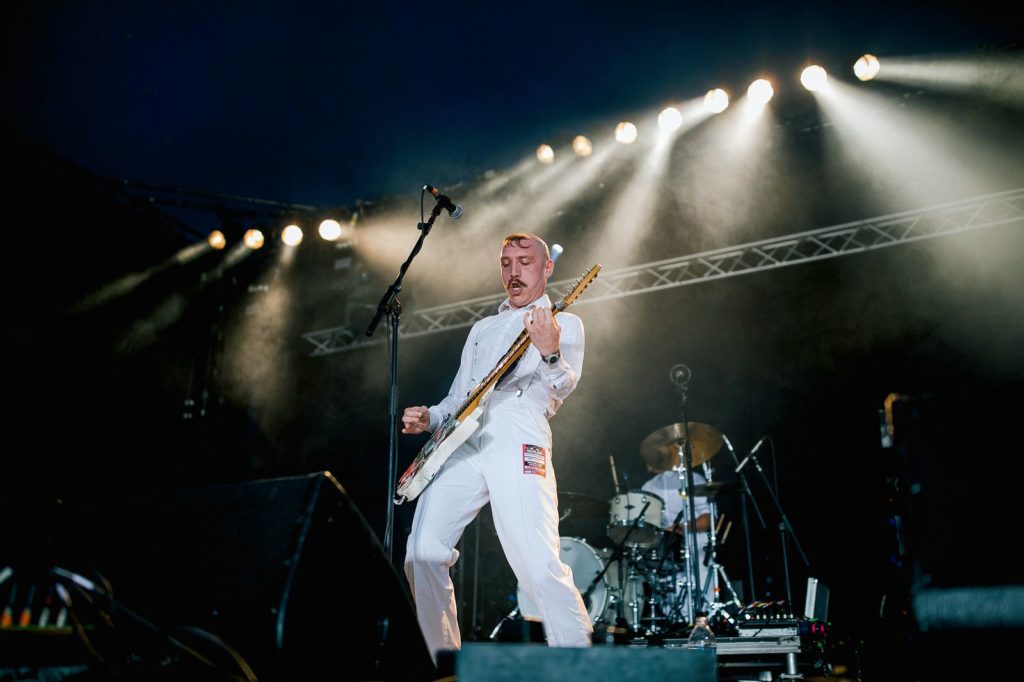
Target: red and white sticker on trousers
535	460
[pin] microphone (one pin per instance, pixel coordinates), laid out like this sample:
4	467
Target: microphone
454	210
748	457
615	478
679	375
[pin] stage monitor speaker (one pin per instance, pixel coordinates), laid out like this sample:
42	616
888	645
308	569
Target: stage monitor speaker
285	571
480	662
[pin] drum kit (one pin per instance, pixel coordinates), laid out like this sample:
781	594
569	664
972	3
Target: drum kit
642	582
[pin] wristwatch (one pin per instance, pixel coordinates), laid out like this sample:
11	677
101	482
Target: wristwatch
552	359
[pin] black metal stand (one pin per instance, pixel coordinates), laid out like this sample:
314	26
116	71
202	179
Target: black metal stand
697	599
784	526
390	305
617	555
747	495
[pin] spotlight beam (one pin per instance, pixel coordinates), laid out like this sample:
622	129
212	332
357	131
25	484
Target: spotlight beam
1004	208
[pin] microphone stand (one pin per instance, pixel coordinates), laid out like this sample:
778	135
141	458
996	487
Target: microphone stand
696	602
784	526
747	495
390	306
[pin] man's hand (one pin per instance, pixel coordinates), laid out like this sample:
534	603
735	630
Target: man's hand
543	329
415	419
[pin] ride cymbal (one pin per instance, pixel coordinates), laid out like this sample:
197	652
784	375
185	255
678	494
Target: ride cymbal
663	449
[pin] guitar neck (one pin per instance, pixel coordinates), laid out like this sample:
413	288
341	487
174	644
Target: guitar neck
514	352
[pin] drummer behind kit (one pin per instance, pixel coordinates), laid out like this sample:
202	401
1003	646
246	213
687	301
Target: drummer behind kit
643	583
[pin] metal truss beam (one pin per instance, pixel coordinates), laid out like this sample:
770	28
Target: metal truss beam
814	245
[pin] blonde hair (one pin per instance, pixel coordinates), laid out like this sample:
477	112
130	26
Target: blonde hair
517	238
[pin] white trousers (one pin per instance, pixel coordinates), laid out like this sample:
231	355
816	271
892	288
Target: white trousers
506	462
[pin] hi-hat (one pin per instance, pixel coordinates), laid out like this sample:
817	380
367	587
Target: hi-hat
714	489
579	505
663	449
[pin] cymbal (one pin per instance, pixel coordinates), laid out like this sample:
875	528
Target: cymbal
663	449
713	489
580	506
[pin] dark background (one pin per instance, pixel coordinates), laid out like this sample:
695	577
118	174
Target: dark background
198	376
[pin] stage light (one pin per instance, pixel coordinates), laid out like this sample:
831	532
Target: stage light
253	238
582	146
867	67
760	92
716	101
217	240
329	230
292	235
670	119
545	154
814	78
625	132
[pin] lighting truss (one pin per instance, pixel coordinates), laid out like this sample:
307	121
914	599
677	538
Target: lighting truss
814	245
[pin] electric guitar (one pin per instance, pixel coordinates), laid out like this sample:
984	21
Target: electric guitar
454	431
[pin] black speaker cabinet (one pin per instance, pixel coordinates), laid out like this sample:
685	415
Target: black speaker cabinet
962	473
284	571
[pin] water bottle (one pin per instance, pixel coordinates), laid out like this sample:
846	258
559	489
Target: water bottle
701	637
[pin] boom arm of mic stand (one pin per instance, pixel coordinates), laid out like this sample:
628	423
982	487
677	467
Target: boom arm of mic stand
746	486
396	286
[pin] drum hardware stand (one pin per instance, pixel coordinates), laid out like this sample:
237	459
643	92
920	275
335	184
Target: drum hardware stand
687	595
618	553
715	569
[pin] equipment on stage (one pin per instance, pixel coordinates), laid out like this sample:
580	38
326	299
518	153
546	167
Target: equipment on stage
625	510
642	584
661	450
714	489
659	571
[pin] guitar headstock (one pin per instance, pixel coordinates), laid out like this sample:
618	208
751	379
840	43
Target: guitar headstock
578	287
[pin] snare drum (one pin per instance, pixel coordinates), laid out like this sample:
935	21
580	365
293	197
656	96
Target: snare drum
625	509
585	563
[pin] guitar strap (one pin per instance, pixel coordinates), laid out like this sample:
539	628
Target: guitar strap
507	375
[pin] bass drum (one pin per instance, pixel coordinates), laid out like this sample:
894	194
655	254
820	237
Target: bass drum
585	563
